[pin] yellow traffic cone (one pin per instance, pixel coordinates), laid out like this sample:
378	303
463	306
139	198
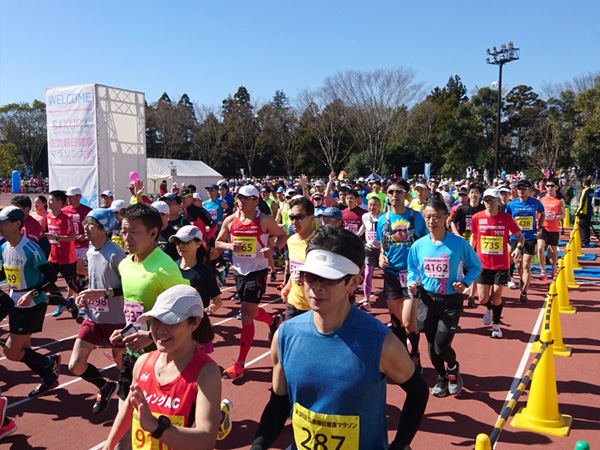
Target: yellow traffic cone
569	255
577	240
567	219
483	442
541	413
537	345
562	290
559	348
573	241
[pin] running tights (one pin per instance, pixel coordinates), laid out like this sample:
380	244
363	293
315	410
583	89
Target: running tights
440	350
368	283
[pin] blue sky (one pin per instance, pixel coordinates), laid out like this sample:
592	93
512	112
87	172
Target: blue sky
208	49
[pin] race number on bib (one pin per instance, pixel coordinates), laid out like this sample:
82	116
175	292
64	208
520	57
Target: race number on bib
13	276
133	310
248	248
402	277
371	236
550	215
212	213
143	440
468	223
437	267
295	267
492	245
324	431
525	223
99	305
352	227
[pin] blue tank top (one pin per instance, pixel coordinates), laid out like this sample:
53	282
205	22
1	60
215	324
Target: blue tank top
334	382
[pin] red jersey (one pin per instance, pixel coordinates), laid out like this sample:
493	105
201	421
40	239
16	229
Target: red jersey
552	209
77	215
41	218
491	236
249	258
176	399
352	219
32	230
61	252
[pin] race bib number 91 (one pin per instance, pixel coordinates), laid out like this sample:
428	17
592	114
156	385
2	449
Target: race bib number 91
248	248
316	431
143	440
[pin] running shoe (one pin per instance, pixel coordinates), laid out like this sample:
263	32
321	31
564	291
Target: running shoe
523	298
3	405
72	307
50	379
365	305
225	424
277	319
441	387
234	372
59	310
416	359
239	316
455	381
273	277
8	429
281	286
543	276
512	284
3	341
471	302
487	317
553	274
496	331
103	398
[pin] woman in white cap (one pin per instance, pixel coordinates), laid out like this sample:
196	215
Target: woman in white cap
177	392
188	241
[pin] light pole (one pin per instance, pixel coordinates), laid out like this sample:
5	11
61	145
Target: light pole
499	58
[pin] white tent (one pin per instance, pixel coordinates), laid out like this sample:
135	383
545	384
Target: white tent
179	171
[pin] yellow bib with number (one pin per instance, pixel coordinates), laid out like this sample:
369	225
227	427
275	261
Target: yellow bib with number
13	276
248	249
525	223
324	431
142	440
491	245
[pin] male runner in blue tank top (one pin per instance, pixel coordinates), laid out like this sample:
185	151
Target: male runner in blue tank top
331	364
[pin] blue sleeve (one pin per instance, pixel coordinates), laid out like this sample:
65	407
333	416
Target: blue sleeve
508	209
540	208
420	226
414	269
380	223
472	263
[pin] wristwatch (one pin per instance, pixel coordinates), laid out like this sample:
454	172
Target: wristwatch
107	292
520	248
163	424
35	293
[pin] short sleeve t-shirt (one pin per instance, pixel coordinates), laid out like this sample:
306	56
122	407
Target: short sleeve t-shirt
77	215
297	252
525	214
32	230
399	239
61	252
491	239
203	280
352	219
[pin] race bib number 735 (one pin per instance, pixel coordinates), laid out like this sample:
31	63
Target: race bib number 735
317	431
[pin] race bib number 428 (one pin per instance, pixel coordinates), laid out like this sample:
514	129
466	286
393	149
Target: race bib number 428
317	431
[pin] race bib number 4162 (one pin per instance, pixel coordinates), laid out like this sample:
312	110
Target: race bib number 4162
317	431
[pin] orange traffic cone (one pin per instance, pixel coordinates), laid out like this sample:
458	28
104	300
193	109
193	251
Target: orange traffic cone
483	442
562	290
541	413
552	318
569	255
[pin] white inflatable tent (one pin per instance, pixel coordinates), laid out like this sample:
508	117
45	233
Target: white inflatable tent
96	137
179	171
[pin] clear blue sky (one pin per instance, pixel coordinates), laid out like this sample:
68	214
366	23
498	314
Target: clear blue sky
208	49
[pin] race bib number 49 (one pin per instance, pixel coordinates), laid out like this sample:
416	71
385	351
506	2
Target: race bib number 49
248	248
316	431
13	276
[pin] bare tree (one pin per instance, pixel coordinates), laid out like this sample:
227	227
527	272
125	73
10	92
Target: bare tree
209	136
578	84
377	103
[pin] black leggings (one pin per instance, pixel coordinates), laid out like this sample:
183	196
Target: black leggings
438	318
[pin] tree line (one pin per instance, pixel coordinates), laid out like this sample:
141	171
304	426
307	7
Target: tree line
376	121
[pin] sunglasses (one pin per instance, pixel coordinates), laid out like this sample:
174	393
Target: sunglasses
550	185
243	197
490	200
297	216
311	278
396	191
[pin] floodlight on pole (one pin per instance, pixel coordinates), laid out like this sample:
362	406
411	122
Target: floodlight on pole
499	58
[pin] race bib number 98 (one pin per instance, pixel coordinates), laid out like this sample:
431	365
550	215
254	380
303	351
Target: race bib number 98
316	431
248	248
525	223
143	440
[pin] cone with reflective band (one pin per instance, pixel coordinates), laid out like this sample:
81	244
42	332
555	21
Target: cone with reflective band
558	348
537	345
541	413
483	442
569	255
564	305
578	250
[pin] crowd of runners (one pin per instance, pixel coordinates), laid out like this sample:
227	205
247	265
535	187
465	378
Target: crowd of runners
144	277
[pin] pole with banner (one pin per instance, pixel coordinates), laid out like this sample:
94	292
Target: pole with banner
405	173
427	171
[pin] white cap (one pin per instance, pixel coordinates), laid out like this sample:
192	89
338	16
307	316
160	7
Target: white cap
197	196
328	265
504	189
491	193
421	184
249	191
73	191
107	194
118	205
291	193
361	179
161	207
220	182
320	183
175	305
187	233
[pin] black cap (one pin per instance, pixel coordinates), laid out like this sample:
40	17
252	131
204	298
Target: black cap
12	214
524	184
185	192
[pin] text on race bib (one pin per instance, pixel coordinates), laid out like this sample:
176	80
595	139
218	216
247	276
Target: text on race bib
143	440
99	305
295	267
133	310
248	248
525	223
402	277
13	276
491	245
550	215
317	431
437	267
371	236
212	213
469	223
352	227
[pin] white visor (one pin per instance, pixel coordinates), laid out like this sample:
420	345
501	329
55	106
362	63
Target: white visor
329	265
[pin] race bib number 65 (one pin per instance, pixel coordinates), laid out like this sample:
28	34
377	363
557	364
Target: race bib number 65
316	431
248	248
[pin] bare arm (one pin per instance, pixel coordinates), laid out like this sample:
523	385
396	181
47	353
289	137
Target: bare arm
221	243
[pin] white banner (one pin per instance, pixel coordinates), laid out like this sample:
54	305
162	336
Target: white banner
72	146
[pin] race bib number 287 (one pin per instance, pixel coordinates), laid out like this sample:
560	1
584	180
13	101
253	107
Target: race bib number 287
317	431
